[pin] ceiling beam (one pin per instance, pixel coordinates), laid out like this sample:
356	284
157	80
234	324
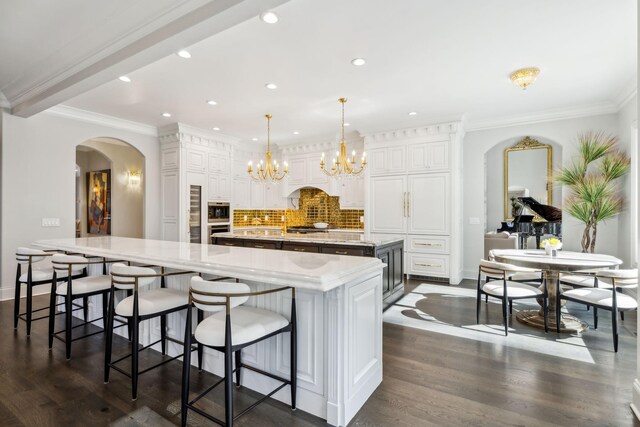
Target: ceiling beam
150	44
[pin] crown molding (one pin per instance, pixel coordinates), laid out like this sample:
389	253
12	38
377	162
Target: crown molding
320	143
544	116
627	94
191	135
4	102
421	131
101	119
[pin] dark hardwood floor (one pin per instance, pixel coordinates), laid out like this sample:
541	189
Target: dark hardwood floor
429	379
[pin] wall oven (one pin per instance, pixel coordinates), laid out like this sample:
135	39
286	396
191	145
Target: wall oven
217	228
219	212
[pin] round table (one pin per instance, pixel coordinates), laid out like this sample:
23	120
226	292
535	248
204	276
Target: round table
552	266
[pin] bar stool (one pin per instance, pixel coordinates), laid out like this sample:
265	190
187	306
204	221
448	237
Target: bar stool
83	287
33	277
229	329
138	307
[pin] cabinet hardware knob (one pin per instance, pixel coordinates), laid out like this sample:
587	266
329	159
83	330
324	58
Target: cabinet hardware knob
426	265
259	246
299	249
341	252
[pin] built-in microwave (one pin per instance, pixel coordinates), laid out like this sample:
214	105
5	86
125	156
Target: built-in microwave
218	212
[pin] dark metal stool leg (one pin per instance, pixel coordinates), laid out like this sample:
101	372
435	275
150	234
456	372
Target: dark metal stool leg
134	359
505	318
186	369
614	329
52	313
29	307
200	317
68	306
163	334
228	375
294	354
595	317
238	367
85	308
109	331
16	301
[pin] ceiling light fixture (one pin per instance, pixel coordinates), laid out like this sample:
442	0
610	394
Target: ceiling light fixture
342	165
269	170
413	113
184	54
269	17
295	132
216	128
254	139
124	79
211	102
166	114
347	124
271	86
524	77
358	62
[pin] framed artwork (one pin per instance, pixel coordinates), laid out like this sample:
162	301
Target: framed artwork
99	202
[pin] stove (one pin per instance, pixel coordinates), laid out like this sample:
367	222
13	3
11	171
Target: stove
305	229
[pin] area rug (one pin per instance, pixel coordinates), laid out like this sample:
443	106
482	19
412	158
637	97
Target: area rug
432	308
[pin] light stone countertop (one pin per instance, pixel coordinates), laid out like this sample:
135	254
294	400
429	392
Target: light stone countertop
564	261
320	272
328	237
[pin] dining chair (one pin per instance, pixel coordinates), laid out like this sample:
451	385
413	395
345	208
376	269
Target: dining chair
230	328
606	298
508	290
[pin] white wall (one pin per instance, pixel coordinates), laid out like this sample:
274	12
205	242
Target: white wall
38	173
627	118
127	202
475	146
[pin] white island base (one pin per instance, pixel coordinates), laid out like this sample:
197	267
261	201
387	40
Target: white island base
339	314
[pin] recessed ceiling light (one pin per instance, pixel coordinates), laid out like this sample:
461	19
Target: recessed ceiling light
212	102
269	17
166	114
184	54
358	62
295	132
347	124
216	128
124	79
254	139
412	113
271	86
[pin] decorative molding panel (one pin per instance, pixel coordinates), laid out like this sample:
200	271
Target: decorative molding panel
411	133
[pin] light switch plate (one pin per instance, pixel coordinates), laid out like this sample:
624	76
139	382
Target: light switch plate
51	222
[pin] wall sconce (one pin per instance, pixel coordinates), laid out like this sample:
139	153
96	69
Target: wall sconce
134	178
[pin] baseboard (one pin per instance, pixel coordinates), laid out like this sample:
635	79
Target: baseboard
635	398
9	293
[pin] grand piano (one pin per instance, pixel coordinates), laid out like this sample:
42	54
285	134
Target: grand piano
549	222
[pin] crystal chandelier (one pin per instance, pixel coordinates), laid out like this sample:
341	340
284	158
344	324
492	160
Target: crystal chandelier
270	169
525	77
342	165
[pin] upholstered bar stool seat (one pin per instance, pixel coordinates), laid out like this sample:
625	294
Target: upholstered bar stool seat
247	324
153	301
516	289
40	276
86	285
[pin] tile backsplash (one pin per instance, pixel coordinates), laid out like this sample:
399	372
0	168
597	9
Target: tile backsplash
315	206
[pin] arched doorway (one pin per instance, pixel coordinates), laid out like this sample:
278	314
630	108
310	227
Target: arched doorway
109	189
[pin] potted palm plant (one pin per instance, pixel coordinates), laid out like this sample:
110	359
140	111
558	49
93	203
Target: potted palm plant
592	179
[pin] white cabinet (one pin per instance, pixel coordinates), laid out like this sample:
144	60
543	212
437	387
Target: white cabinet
315	175
241	194
428	264
388	204
351	192
219	163
428	157
272	196
386	161
218	188
297	171
428	203
196	160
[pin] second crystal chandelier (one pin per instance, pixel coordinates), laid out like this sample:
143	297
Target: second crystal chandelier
342	165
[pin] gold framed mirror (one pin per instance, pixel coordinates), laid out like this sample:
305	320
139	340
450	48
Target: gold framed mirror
527	173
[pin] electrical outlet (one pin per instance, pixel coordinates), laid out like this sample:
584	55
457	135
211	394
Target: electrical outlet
51	222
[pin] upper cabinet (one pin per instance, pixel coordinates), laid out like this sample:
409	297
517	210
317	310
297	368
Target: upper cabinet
351	192
428	157
219	163
387	160
218	188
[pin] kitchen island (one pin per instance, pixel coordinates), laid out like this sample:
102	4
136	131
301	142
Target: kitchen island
339	311
389	249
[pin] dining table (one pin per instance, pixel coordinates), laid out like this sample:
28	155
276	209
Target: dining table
552	266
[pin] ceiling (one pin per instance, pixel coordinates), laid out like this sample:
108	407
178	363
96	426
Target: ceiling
440	58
